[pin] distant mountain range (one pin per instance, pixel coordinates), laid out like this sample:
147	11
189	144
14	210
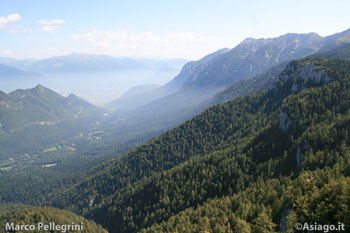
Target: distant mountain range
84	63
8	72
200	81
97	78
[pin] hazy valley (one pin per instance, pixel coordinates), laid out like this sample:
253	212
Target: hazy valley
249	139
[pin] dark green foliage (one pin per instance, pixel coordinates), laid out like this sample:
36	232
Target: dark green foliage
324	193
262	206
193	138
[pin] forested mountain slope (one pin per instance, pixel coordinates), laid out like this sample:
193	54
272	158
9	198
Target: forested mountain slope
35	118
230	147
274	200
29	215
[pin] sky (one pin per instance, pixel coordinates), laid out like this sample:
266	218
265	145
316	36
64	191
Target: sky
157	28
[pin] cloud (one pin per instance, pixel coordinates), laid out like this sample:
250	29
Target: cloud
6	21
126	43
7	52
51	22
27	30
30	38
50	25
50	28
13	31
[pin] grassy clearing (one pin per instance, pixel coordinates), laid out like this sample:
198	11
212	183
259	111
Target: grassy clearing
49	165
6	163
5	169
50	149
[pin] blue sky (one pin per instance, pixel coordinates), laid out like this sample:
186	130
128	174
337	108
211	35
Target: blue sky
150	28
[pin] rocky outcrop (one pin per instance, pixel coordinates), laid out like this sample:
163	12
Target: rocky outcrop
299	156
286	120
284	220
302	76
305	72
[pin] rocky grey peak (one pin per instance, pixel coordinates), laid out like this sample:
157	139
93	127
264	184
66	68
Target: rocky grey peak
220	51
40	88
3	95
247	41
286	41
191	70
312	36
253	56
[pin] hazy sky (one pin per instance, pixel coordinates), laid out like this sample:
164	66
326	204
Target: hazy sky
157	28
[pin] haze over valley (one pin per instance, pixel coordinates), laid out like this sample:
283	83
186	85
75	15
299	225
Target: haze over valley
97	78
174	116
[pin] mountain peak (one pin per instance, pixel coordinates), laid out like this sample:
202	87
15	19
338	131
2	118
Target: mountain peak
247	40
76	54
2	94
301	35
40	87
76	100
72	96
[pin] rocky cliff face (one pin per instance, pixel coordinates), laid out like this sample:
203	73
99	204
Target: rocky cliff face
301	76
284	220
306	73
254	56
286	120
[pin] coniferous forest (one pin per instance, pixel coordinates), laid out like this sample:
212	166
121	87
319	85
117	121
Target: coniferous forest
262	162
237	166
253	139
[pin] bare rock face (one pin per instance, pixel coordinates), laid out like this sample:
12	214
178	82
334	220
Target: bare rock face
307	72
284	220
286	121
299	156
300	74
